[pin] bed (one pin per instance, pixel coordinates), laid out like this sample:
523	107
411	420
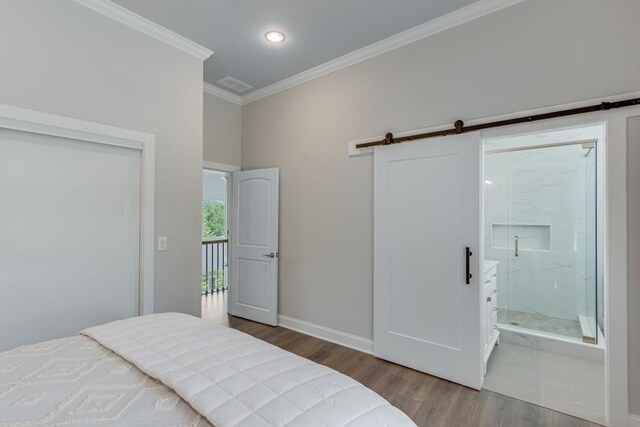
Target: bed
176	370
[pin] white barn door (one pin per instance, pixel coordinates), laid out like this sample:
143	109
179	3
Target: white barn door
69	235
253	292
427	212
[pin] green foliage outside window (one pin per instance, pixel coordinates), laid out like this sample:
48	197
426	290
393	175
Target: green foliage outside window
213	225
213	219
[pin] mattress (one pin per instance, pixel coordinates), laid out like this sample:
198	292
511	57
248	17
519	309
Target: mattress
174	369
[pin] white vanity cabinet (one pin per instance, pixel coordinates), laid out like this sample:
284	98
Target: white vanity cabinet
490	292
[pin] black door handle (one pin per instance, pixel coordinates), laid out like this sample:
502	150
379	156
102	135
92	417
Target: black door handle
468	270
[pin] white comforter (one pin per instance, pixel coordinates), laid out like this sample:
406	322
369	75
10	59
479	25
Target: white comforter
75	381
236	380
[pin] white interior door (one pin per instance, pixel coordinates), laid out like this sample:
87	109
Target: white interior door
427	211
69	236
253	293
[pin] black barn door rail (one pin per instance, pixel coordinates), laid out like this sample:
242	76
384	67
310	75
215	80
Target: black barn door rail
460	128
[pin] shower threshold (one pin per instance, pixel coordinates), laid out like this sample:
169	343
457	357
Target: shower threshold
541	323
553	342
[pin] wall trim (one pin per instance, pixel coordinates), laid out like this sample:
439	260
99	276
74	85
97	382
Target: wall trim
31	121
222	94
634	420
222	167
344	339
146	26
453	19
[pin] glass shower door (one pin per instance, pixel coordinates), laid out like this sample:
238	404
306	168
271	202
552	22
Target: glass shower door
542	208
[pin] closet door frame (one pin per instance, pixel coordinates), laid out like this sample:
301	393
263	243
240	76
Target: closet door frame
25	120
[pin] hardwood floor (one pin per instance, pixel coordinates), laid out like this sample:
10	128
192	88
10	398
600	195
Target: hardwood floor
428	400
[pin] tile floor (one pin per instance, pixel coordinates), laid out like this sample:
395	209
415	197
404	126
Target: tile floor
540	322
556	381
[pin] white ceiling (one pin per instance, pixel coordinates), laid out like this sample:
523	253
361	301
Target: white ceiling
317	31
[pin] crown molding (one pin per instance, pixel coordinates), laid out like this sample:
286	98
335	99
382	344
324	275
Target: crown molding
453	19
150	28
222	94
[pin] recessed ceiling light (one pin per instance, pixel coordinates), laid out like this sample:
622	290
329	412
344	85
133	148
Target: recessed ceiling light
274	36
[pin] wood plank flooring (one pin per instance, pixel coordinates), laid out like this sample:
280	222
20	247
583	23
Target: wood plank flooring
428	400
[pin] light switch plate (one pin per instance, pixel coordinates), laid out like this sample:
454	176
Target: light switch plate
162	243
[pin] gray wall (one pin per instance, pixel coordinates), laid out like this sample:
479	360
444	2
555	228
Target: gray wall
62	58
633	232
222	130
534	54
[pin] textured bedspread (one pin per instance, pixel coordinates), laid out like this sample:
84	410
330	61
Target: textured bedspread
77	382
236	380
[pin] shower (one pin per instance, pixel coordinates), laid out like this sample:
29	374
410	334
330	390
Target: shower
541	226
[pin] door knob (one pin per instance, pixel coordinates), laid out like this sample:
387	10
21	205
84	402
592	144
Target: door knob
270	255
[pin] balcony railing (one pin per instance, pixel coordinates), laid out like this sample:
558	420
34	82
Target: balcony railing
214	266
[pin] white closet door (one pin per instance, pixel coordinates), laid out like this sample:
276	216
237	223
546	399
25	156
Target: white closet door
69	227
426	213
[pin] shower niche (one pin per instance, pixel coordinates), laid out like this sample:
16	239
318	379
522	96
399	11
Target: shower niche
541	227
517	237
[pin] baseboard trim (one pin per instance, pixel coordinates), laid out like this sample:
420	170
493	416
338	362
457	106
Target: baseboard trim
337	337
634	420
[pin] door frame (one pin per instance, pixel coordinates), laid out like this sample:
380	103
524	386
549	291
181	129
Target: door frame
615	241
220	167
229	169
25	120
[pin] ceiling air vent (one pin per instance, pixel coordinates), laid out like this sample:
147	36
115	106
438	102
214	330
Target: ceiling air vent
234	84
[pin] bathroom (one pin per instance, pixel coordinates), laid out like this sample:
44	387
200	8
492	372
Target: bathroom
543	232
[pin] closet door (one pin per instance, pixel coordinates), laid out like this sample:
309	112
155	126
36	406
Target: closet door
427	285
69	226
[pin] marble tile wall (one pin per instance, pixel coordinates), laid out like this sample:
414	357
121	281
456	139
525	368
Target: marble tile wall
545	187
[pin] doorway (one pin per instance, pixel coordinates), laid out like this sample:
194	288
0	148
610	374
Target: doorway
215	243
239	243
544	238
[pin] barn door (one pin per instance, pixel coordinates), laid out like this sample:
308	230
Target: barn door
427	216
